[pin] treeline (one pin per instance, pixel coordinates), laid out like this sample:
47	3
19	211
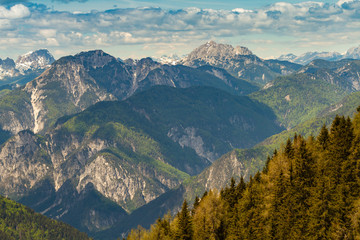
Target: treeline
20	222
309	189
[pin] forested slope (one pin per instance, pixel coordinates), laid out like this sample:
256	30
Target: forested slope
309	189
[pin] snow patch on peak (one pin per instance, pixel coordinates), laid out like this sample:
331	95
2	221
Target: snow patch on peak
40	59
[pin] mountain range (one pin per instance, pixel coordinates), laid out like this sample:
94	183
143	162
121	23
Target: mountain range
352	53
106	144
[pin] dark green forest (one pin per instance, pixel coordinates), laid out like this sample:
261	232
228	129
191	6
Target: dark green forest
20	222
308	189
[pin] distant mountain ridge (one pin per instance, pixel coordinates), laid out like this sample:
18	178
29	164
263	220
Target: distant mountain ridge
14	74
39	59
31	61
352	53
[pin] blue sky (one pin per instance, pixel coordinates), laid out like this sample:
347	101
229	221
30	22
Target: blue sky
132	28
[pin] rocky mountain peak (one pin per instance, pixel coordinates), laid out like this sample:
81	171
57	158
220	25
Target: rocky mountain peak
94	59
212	49
39	59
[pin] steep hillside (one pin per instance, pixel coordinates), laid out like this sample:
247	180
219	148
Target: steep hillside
299	97
345	107
20	222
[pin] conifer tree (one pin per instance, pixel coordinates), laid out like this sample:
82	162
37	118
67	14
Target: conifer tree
266	167
289	150
208	220
323	138
279	229
184	226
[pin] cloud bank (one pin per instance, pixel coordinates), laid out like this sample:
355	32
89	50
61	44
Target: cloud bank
308	23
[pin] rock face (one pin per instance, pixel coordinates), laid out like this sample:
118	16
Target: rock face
74	83
40	59
239	61
66	88
68	164
23	164
16	113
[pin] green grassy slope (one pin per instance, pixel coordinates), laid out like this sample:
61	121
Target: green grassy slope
20	222
298	98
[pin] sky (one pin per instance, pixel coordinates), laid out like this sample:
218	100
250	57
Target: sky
141	28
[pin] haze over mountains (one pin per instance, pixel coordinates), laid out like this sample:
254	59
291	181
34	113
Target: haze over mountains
97	142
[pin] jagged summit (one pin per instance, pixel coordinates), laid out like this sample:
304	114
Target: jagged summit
218	50
39	59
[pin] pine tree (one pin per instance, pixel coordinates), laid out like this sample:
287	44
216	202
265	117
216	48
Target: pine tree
196	204
289	150
250	208
279	227
208	220
266	167
323	138
184	227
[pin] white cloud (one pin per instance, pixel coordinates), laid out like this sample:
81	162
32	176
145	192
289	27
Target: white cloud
242	10
16	11
316	22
